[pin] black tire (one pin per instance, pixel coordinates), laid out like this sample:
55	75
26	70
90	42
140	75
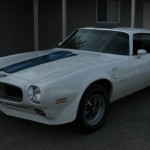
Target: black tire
93	108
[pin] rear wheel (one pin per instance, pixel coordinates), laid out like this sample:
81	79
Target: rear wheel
93	108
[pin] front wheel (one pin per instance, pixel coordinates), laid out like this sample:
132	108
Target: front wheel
93	108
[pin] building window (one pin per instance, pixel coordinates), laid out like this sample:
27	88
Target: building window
108	11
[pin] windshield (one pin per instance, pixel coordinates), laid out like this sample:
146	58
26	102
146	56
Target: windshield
104	41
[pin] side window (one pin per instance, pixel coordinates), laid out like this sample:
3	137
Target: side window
141	41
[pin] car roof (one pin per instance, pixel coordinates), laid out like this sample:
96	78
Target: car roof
127	30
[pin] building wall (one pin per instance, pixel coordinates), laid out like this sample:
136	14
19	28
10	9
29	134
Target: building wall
125	13
83	13
16	26
50	23
139	13
16	22
80	13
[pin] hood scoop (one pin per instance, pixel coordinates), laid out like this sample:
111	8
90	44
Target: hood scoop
37	61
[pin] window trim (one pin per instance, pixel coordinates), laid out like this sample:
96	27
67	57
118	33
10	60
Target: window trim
108	22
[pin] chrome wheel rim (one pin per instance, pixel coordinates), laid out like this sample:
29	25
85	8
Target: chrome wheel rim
94	109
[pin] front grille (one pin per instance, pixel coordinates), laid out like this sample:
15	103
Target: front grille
10	93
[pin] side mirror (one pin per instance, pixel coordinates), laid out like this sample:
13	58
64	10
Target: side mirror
141	52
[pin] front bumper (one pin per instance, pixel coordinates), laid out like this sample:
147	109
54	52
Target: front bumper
29	113
50	111
14	100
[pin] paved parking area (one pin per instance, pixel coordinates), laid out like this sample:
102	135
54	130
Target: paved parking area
127	128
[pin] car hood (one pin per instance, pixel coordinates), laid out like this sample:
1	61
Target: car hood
68	62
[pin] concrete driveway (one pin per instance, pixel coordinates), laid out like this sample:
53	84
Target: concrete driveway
127	128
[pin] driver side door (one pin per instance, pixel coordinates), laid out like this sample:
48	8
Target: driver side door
140	65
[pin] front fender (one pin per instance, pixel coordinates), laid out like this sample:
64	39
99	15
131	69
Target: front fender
71	88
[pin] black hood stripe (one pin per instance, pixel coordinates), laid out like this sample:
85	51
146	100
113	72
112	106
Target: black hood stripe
37	61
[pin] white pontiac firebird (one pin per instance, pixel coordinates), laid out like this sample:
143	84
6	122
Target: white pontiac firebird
76	81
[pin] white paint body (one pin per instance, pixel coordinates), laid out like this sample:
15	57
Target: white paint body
69	78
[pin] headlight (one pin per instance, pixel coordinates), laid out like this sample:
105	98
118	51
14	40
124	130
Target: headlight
34	94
